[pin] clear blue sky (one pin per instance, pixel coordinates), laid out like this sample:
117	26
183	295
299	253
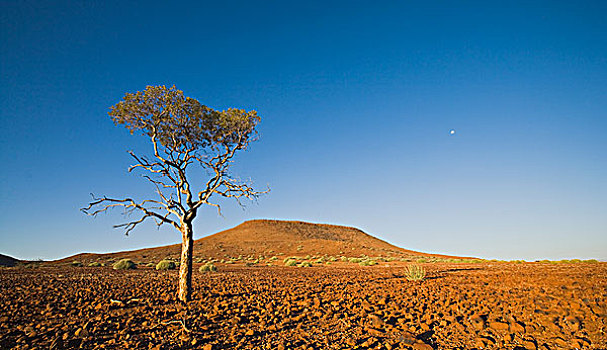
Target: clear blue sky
357	100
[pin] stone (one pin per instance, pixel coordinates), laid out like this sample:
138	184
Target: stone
499	326
422	346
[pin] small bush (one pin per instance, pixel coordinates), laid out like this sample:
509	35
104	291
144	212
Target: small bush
415	273
368	262
305	264
76	263
165	265
124	264
355	260
208	267
290	262
94	264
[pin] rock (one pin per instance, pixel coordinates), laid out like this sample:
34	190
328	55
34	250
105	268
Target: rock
81	333
529	344
422	346
477	322
517	327
376	321
572	322
499	326
250	333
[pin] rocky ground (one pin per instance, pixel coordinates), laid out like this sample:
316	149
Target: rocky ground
458	306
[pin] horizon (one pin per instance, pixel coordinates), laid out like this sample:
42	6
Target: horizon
268	219
473	129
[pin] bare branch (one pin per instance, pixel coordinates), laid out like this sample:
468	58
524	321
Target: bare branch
130	206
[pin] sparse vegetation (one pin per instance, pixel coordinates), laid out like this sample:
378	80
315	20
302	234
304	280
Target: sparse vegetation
165	265
290	262
124	264
208	267
94	264
305	264
368	262
76	263
415	272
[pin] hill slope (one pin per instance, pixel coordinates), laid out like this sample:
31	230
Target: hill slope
273	238
6	260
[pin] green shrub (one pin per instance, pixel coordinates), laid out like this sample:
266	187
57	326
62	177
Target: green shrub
355	260
305	264
290	262
94	264
76	263
208	267
415	273
124	264
165	265
422	260
368	262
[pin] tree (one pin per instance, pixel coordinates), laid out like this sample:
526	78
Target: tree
185	135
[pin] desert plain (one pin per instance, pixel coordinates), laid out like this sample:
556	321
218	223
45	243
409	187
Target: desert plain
290	285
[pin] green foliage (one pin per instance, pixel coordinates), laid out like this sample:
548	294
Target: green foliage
182	122
355	260
124	264
208	267
290	262
166	265
415	272
305	264
94	264
368	262
422	260
76	263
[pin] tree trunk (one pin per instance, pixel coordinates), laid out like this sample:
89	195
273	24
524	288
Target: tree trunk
185	269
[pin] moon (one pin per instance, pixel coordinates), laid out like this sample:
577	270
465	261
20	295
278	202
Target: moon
452	132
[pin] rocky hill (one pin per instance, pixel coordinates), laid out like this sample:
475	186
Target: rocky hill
267	238
6	260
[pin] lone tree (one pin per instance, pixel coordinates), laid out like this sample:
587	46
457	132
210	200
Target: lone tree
185	134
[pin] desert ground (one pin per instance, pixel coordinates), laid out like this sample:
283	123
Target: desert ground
346	299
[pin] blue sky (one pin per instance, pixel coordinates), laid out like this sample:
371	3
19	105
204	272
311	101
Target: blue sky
357	100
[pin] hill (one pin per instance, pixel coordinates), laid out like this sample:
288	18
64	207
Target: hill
267	238
6	260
